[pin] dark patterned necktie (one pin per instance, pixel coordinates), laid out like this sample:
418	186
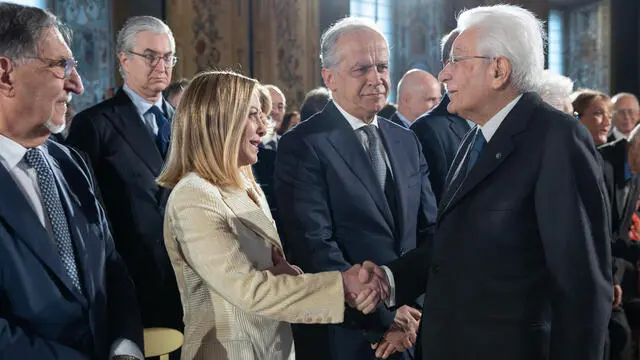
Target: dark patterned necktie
164	130
374	150
478	144
55	212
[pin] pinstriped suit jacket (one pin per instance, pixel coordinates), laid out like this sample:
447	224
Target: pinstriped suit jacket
219	242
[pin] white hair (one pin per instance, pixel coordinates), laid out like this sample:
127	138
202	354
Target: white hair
137	24
512	32
329	57
555	89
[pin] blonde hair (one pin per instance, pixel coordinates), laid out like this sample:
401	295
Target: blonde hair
207	130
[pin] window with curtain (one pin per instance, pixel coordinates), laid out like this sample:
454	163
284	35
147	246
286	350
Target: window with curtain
379	11
36	3
555	52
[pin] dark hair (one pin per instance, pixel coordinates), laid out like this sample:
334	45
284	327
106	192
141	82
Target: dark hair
388	110
447	43
175	87
314	102
286	122
585	98
22	28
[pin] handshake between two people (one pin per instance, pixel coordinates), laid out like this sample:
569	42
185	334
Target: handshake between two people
365	287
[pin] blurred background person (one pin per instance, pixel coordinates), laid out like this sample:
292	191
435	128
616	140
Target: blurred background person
556	90
314	102
278	109
593	109
418	92
236	287
126	139
290	120
174	91
626	114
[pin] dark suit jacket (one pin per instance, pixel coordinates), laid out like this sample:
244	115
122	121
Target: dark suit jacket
263	171
126	162
440	134
334	212
520	264
397	120
614	155
42	316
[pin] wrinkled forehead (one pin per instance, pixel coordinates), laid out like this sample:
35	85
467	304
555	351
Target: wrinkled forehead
465	43
362	46
52	44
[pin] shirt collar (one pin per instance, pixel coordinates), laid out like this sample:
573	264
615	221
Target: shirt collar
618	134
140	103
11	153
404	119
491	126
354	121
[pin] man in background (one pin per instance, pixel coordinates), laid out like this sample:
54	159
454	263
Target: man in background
418	92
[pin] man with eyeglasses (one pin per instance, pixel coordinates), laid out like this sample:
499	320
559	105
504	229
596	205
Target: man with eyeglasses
126	139
65	293
278	108
519	266
626	114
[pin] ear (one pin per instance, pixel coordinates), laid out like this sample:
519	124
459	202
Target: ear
7	69
123	60
501	72
329	78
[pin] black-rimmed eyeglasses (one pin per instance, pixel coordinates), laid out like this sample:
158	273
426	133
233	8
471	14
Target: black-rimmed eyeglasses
153	60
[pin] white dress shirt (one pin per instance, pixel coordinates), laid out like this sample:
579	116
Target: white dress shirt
26	177
488	130
143	106
617	134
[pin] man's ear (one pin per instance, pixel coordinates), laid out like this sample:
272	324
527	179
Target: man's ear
122	57
329	78
501	72
7	70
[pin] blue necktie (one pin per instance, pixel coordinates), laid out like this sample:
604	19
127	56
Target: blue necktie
164	130
375	153
478	144
55	212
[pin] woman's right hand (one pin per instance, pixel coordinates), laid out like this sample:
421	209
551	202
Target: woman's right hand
281	265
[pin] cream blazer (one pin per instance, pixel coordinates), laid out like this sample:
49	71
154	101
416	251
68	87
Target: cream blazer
219	242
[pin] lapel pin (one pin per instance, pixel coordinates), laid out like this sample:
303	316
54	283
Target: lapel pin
498	156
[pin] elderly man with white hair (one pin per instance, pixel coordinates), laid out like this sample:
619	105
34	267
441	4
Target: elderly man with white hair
556	90
519	266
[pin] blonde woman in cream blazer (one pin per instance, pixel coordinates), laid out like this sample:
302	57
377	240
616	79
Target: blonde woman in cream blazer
220	235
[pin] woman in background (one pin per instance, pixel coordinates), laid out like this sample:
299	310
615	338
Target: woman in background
593	109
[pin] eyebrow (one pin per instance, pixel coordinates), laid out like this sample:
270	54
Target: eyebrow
147	50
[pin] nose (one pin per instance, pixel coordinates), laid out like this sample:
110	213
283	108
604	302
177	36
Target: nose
74	83
375	77
445	73
160	66
606	119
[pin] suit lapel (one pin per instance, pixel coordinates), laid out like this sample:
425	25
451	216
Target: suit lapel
499	148
344	140
19	215
128	123
251	215
456	170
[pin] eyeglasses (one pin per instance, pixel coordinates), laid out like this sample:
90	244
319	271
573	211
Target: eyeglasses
66	63
454	59
153	60
627	112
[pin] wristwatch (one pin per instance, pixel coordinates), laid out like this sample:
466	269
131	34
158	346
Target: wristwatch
124	357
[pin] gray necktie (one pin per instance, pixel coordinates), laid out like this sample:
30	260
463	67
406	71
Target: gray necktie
55	212
374	150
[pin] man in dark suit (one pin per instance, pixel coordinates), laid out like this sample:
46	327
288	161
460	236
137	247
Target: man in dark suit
126	139
418	92
64	291
440	134
519	266
353	186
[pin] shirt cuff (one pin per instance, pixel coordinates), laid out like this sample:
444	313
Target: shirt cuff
391	300
124	346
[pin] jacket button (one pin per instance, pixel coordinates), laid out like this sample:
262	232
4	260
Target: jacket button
435	268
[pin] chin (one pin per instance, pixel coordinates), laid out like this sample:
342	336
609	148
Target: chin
55	127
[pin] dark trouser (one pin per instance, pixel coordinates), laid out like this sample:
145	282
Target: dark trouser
619	341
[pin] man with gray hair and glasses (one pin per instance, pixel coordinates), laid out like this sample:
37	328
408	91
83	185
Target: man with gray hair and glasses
126	138
64	291
626	114
519	266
